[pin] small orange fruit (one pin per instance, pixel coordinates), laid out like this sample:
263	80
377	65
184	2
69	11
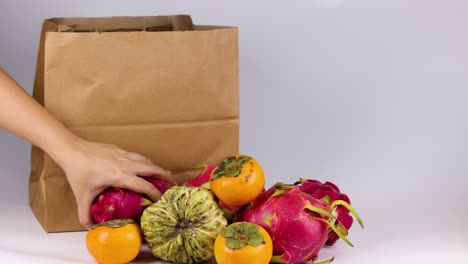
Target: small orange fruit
243	243
237	180
114	242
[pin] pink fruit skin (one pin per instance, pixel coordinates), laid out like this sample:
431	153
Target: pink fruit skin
319	190
297	234
115	203
202	178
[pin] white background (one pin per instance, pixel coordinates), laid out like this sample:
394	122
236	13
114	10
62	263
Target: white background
371	95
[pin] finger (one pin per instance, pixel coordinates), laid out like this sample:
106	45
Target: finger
84	212
136	157
139	185
169	179
145	169
147	161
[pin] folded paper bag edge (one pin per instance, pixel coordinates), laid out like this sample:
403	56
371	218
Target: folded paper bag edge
179	22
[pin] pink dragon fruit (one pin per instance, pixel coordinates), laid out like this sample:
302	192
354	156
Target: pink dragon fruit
203	180
116	203
297	222
329	192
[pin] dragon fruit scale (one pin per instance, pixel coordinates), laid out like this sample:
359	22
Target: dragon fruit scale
298	223
203	179
330	193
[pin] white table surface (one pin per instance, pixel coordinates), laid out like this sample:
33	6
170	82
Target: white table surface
24	241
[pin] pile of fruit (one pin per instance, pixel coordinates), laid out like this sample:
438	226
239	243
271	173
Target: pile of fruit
224	213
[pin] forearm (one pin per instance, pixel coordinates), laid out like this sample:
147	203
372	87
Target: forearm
23	116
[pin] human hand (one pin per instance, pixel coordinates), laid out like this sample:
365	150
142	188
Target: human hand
92	167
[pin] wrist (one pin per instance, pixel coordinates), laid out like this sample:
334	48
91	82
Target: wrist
64	148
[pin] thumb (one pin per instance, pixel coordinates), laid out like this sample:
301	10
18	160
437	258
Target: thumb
84	212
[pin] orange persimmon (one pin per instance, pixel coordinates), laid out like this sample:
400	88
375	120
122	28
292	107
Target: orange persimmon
237	180
114	242
243	243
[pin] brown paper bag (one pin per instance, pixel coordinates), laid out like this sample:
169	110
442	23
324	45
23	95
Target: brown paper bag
159	86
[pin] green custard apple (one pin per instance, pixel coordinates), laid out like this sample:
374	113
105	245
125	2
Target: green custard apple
182	226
